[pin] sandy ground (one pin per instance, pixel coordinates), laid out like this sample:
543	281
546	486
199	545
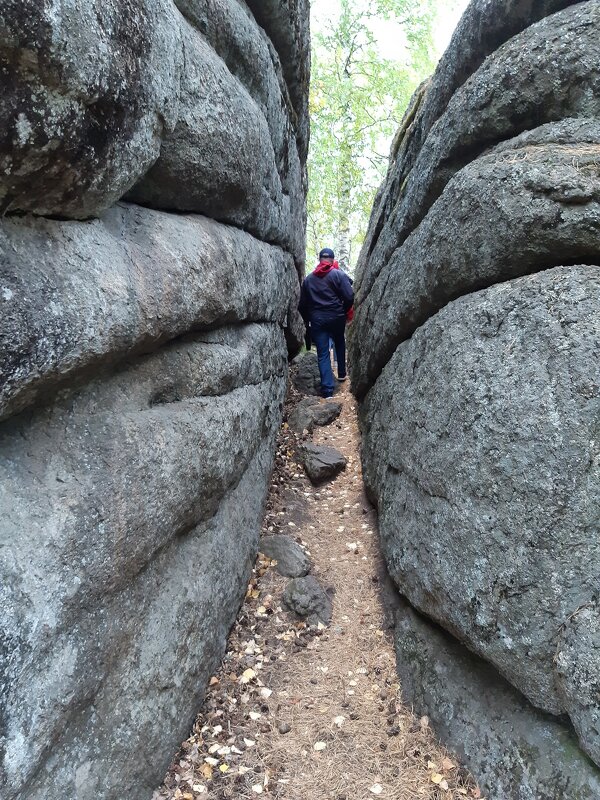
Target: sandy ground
300	713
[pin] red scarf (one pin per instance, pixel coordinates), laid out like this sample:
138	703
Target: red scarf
324	269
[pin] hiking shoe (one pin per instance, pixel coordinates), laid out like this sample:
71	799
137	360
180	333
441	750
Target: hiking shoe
343	378
327	395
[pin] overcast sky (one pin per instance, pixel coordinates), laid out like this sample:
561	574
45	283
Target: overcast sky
446	23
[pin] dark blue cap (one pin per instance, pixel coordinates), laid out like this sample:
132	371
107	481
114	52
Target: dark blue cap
326	252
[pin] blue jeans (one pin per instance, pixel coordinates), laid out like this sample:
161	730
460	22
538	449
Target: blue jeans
321	332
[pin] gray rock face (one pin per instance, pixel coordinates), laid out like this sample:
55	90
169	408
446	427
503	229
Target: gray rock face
322	463
543	195
474	354
484	27
517	753
272	65
307	598
546	73
287	24
292	561
87	90
310	412
143	367
93	96
76	295
222	159
128	469
482	455
577	667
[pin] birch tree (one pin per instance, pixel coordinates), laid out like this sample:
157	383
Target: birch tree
358	98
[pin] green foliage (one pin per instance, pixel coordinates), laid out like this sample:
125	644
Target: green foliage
358	98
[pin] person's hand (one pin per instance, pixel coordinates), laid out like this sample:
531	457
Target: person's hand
307	338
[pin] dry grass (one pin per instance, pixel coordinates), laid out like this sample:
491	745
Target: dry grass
335	688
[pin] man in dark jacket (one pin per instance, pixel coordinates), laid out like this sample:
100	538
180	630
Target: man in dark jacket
325	299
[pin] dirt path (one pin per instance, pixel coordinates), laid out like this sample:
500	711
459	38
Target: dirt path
301	713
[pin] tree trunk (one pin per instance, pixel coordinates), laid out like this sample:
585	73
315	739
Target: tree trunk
345	182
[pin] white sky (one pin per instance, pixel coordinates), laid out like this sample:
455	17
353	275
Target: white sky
446	23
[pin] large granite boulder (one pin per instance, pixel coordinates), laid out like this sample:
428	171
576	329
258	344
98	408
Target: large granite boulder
577	665
224	158
517	753
482	454
527	205
481	97
474	354
95	93
76	295
88	89
132	473
143	367
287	25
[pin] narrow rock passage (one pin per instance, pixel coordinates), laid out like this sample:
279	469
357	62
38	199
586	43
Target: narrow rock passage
302	712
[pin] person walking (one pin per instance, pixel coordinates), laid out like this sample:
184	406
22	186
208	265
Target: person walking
326	298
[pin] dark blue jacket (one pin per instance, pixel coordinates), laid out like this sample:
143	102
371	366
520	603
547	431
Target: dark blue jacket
325	296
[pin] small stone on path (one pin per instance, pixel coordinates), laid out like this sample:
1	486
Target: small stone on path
312	412
292	561
307	598
322	463
305	374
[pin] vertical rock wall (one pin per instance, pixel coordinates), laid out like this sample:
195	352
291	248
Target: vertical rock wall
152	185
476	359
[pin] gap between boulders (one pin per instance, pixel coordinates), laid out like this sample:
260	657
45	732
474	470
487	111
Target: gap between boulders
310	707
